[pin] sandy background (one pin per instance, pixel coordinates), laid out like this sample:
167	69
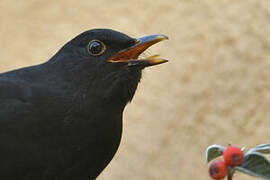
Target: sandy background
214	90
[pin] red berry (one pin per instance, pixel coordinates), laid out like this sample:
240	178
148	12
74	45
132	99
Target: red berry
218	170
233	156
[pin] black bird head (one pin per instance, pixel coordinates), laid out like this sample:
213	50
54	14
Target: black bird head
107	60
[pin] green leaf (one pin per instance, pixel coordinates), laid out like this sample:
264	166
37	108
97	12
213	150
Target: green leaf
263	148
214	151
255	164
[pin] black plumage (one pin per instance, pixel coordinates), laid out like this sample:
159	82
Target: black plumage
62	120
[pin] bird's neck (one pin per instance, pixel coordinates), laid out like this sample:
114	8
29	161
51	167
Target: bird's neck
114	89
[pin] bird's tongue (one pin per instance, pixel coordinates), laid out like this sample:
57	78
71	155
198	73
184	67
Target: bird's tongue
150	61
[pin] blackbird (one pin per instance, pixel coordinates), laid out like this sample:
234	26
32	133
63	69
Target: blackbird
62	119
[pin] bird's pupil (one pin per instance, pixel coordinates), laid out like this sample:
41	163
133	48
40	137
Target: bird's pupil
95	47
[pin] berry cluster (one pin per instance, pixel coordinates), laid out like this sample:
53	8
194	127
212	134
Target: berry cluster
233	156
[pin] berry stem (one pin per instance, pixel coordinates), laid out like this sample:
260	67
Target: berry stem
230	173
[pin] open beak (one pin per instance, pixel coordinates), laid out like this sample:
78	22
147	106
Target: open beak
130	55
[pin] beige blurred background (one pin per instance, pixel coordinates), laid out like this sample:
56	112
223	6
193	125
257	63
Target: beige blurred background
214	90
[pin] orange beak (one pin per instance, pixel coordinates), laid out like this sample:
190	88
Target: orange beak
130	55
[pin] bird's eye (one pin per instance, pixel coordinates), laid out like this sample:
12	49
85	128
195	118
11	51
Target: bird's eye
96	47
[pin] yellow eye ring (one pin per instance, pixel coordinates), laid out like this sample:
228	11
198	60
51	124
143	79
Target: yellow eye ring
96	47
